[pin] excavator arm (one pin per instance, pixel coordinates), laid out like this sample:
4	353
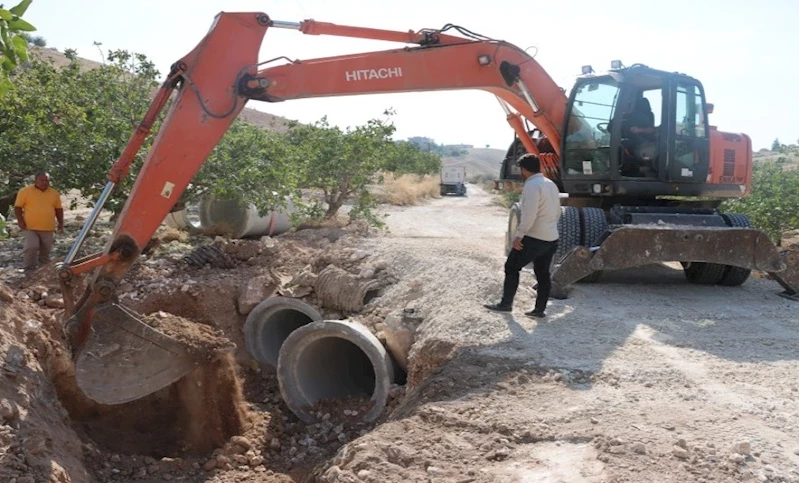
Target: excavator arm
119	358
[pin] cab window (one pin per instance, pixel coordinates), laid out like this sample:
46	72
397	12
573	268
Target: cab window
587	143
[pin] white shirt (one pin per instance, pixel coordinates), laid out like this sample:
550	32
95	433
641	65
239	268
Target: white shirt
540	205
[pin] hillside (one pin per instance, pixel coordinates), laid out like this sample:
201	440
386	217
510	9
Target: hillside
790	153
479	162
261	119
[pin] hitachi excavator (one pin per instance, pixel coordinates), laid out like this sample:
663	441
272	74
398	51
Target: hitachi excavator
621	209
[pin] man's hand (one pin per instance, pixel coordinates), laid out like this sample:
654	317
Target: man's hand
21	224
60	228
517	243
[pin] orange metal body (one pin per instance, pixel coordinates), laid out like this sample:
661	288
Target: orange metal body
730	159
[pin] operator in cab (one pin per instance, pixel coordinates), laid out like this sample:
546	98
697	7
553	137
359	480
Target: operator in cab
536	238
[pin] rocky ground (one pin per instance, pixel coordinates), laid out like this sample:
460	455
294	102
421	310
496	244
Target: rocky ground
641	377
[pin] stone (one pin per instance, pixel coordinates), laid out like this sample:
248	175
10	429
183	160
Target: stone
210	464
639	448
257	290
54	301
6	295
8	410
400	336
742	447
680	452
241	441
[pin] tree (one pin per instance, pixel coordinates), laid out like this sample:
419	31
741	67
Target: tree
775	146
772	204
73	123
405	157
339	163
249	164
13	47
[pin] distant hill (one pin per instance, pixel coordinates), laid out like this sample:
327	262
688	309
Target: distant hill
791	154
479	162
258	118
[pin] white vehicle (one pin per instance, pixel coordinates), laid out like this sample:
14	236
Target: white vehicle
453	180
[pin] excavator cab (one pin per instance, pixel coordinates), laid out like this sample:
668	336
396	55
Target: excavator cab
636	131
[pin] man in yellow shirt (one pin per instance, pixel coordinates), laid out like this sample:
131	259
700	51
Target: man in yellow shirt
37	207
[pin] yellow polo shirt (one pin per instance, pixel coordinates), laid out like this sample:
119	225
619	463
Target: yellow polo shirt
38	207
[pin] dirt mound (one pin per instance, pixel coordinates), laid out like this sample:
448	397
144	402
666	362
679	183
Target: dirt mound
36	440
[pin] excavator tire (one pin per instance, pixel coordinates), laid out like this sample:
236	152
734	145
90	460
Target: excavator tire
594	224
734	276
569	232
702	273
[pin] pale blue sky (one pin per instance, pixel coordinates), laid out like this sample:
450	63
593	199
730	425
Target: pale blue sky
742	51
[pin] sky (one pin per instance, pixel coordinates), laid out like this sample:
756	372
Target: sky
742	51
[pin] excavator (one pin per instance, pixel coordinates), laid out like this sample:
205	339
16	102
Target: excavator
622	204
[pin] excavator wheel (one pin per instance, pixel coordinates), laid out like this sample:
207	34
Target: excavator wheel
733	275
702	273
569	228
579	226
594	225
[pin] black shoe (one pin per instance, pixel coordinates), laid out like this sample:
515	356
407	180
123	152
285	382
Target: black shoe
536	313
499	307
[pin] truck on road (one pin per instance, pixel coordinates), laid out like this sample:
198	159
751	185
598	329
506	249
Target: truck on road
453	180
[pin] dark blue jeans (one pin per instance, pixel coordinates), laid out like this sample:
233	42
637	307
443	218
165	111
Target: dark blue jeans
540	253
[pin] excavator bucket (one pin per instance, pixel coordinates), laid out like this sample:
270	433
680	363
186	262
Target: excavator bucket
628	246
125	359
789	278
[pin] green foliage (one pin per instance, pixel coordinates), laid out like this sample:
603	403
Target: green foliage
340	163
250	163
776	146
773	205
13	47
3	225
74	123
406	157
508	198
36	40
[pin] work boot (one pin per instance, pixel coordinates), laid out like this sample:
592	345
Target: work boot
500	307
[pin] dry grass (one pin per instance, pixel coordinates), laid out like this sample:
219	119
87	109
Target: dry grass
409	189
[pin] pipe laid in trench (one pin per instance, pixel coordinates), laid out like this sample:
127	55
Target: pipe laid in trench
333	359
271	322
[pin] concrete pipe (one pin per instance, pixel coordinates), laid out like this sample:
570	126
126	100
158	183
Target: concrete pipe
223	217
186	219
271	322
333	359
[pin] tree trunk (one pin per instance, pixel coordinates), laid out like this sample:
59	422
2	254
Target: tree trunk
333	207
5	204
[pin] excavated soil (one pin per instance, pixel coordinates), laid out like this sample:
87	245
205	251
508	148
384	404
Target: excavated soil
192	416
641	377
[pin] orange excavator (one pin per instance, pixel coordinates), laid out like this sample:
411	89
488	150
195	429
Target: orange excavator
622	180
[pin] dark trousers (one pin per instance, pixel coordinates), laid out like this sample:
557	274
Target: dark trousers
539	252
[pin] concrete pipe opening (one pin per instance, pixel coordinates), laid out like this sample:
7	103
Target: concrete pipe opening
271	322
334	359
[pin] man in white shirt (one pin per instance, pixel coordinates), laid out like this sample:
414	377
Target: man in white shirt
536	238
